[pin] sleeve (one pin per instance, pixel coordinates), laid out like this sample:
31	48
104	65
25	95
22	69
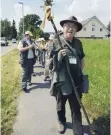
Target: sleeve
20	45
82	55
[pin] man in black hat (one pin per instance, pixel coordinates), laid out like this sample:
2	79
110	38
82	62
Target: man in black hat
64	91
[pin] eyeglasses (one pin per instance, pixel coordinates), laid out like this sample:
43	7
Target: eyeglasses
70	25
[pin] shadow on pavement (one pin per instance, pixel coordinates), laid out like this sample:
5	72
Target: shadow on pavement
102	124
39	73
85	128
69	125
40	85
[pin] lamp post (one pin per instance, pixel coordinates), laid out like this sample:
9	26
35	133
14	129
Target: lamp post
22	14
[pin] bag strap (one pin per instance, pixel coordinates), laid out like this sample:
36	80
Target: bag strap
73	50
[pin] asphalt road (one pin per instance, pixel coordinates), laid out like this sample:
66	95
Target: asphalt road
6	49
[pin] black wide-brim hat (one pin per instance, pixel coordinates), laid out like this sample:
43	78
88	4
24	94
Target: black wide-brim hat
73	20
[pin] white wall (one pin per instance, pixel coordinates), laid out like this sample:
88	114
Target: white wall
89	31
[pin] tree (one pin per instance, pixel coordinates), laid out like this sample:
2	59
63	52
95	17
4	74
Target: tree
13	30
5	28
108	26
45	35
31	22
48	2
39	32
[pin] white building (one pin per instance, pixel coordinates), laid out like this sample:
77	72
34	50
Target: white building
93	27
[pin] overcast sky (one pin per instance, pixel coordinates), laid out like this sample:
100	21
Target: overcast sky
62	9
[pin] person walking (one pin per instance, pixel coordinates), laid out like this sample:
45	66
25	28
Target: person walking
61	86
27	59
48	48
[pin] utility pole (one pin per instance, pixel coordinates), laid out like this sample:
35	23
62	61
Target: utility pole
22	15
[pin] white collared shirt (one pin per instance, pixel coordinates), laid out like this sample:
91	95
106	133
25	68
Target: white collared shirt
30	52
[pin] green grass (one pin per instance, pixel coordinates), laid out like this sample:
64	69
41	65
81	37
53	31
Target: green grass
10	90
97	66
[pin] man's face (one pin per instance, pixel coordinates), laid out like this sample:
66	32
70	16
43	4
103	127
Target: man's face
28	36
69	29
43	42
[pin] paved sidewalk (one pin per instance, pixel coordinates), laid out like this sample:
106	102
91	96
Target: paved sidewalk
37	110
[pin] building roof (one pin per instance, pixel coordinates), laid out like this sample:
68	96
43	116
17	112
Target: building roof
86	21
89	19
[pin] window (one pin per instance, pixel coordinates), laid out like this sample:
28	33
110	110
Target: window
93	25
93	29
92	35
101	29
84	29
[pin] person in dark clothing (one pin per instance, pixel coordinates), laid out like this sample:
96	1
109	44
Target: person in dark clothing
64	91
27	59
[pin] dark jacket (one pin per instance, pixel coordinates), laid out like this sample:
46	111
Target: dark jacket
24	55
59	70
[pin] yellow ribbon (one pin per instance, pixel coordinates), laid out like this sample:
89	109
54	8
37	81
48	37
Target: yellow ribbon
48	15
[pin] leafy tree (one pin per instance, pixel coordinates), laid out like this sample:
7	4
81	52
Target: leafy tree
32	23
108	26
45	35
39	32
13	30
6	28
48	2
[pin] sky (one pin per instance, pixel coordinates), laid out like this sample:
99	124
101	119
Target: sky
62	9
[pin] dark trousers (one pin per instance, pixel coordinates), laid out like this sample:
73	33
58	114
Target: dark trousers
27	71
75	110
40	56
43	58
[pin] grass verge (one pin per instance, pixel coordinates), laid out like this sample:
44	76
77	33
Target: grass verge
10	89
97	65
